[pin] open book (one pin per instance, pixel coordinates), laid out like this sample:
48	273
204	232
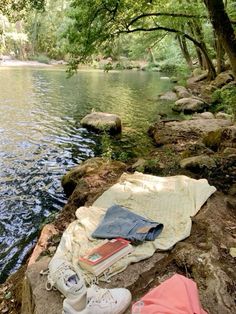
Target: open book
102	257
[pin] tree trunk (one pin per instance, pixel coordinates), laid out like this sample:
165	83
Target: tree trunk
223	28
200	59
196	30
152	55
198	51
3	33
200	37
35	33
21	44
203	57
209	65
184	49
219	56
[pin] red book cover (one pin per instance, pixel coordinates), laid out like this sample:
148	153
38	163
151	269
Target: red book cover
104	251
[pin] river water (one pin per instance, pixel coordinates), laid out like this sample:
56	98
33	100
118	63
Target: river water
41	138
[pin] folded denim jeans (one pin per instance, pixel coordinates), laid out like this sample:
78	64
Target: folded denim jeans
119	222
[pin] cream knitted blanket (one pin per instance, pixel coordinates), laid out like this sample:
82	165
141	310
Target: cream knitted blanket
168	200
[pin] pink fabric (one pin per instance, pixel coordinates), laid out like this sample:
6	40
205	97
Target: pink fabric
177	295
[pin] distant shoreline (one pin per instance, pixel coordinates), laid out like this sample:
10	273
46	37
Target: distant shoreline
57	65
18	63
35	64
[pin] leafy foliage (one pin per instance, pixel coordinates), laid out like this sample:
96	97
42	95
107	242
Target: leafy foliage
225	100
97	24
16	9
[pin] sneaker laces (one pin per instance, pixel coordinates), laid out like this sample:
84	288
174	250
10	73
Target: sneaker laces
61	272
101	295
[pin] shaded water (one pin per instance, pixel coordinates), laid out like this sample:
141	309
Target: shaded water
41	138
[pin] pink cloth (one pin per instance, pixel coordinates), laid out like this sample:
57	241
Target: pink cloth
177	295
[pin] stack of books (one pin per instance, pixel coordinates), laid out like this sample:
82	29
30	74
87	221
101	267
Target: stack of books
102	257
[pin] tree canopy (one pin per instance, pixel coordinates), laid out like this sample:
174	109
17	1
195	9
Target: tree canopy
13	8
97	23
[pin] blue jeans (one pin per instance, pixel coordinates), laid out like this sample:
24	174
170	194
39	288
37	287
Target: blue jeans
119	222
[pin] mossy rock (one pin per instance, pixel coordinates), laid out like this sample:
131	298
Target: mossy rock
222	138
213	139
89	171
196	163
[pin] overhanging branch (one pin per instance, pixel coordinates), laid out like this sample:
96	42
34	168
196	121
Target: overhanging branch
174	15
161	28
177	15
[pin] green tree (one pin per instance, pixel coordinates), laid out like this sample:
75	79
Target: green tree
44	29
223	28
15	9
13	39
98	23
95	24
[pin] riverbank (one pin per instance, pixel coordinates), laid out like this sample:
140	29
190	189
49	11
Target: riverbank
19	63
213	228
104	65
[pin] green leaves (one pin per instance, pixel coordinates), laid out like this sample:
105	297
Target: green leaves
17	9
96	24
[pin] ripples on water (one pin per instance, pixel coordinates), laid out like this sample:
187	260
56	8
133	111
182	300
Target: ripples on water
41	138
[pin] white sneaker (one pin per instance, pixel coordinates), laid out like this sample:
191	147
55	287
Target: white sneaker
63	277
101	301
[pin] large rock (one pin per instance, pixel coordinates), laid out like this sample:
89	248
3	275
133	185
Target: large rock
197	78
232	190
230	85
35	298
229	151
181	92
85	182
195	149
180	132
170	96
190	105
92	173
197	162
174	79
223	79
101	121
221	138
198	125
231	199
204	115
223	115
191	138
198	71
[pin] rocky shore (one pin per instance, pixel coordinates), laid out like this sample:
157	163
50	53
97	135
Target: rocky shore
203	146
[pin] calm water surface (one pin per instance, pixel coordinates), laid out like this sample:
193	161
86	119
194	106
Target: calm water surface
41	138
